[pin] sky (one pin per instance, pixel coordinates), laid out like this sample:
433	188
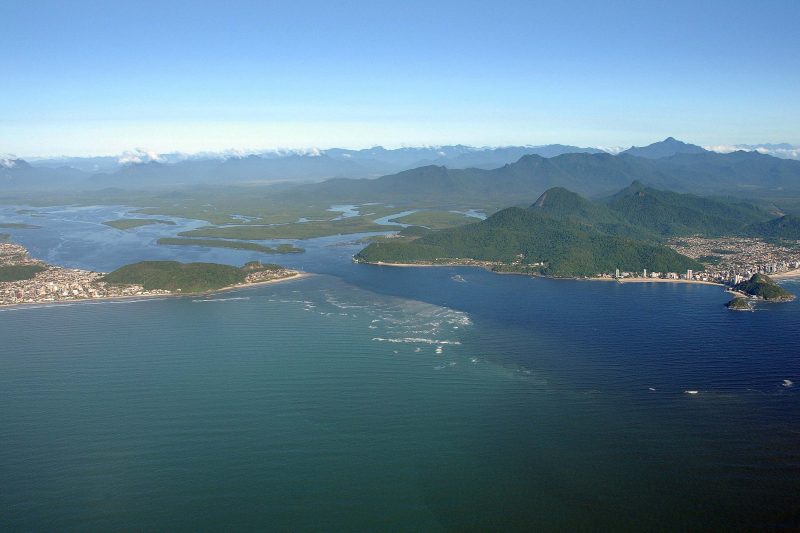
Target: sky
104	77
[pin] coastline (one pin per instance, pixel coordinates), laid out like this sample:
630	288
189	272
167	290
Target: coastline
789	274
413	265
298	275
573	278
660	280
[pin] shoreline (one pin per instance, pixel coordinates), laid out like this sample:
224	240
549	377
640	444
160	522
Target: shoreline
789	274
297	276
661	280
572	278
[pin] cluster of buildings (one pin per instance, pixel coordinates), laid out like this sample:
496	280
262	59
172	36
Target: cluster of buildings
730	260
55	284
260	276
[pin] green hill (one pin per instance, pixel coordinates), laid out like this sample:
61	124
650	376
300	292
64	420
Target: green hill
557	236
19	272
564	205
669	213
175	276
786	227
761	286
739	304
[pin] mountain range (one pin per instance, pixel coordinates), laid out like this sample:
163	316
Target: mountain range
142	169
738	173
669	164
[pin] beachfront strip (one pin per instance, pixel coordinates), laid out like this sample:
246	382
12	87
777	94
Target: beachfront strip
730	260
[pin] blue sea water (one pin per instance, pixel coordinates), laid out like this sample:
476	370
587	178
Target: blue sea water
324	403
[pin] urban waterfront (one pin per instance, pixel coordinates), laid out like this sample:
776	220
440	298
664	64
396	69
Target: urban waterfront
323	403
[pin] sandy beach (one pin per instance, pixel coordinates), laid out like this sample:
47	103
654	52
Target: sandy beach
297	276
619	280
662	280
414	265
789	274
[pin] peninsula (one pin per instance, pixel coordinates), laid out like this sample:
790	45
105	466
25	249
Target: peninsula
24	280
638	234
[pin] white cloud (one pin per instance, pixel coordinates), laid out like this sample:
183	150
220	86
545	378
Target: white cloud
137	156
614	150
722	148
784	151
8	160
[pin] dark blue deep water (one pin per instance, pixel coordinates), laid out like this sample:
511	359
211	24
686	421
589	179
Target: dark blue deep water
322	403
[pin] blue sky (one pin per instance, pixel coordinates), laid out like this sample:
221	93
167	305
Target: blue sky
104	77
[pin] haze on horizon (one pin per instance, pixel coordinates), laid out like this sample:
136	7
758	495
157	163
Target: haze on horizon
96	78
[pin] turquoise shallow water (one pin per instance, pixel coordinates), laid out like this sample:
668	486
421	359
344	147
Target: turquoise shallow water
323	404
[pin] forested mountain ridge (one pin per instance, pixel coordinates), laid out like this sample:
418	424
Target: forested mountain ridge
564	234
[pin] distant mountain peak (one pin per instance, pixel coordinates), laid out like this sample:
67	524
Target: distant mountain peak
554	194
666	148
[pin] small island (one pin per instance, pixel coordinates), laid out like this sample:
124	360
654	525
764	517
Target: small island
739	304
130	223
234	245
758	287
17	225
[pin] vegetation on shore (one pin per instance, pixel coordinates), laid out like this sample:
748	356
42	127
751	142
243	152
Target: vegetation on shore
130	223
184	277
761	286
19	272
234	245
436	219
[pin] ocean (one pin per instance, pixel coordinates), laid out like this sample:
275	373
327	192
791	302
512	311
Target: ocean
369	398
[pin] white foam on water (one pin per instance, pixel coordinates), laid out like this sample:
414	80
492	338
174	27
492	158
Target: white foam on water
413	340
221	299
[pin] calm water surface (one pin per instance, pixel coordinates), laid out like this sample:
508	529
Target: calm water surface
369	398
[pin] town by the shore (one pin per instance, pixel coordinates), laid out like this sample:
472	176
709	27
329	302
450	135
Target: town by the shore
43	283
